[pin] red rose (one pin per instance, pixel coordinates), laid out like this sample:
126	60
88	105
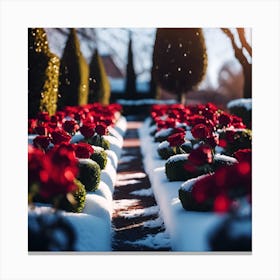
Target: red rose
87	130
229	136
170	122
200	131
212	141
222	203
59	136
70	126
176	139
61	168
41	129
224	119
42	142
83	150
101	129
243	155
43	117
200	156
32	123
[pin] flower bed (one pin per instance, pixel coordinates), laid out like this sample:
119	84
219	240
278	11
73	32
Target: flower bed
93	164
211	183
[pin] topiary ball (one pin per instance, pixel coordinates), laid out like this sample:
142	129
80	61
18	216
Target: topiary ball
235	140
100	157
222	160
186	197
174	168
164	150
79	196
163	134
89	174
99	141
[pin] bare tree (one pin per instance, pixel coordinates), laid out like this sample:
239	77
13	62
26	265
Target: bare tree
244	60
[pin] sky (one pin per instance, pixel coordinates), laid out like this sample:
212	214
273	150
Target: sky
115	41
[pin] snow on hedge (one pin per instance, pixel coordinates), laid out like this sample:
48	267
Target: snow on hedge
188	230
93	225
241	102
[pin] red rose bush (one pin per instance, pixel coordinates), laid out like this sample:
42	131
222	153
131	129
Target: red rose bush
198	160
72	161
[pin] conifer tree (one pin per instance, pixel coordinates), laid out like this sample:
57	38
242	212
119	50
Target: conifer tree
130	82
74	74
179	59
99	85
43	74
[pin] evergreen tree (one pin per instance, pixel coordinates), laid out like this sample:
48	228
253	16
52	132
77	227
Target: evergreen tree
43	73
99	85
130	83
74	73
179	59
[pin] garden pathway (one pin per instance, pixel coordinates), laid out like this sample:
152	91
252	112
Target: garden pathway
136	222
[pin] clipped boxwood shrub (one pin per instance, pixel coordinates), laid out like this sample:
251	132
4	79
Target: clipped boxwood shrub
186	198
164	150
99	141
79	196
236	140
175	170
43	74
99	156
163	134
89	174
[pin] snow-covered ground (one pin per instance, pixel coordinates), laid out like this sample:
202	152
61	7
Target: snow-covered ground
188	230
93	225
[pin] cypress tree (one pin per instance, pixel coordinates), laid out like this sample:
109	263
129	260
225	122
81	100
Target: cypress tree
179	59
74	73
130	83
99	85
43	74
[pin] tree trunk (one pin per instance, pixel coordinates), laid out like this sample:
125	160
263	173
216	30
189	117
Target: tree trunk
247	89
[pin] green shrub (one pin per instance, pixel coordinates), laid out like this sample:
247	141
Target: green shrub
79	196
99	141
174	168
242	139
74	74
175	171
99	85
243	113
43	74
163	134
89	174
100	157
164	150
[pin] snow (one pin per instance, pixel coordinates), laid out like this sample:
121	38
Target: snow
125	203
163	145
154	241
137	175
188	230
93	225
141	102
142	212
164	132
127	182
158	222
189	183
241	102
179	157
92	232
225	158
143	192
